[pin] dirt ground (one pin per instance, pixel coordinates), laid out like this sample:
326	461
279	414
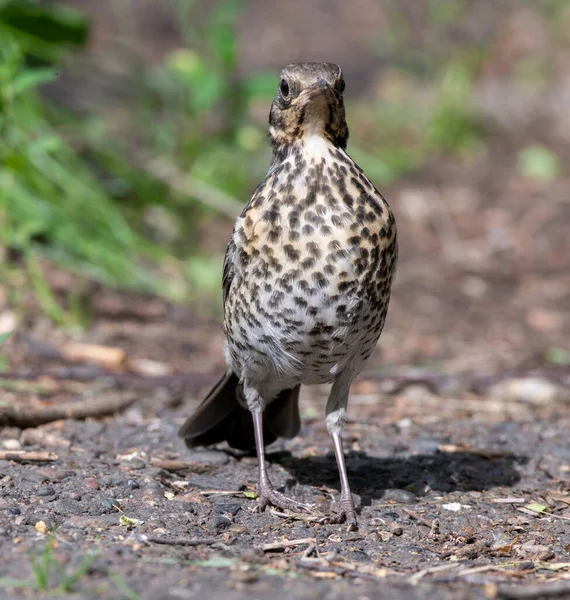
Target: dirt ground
444	512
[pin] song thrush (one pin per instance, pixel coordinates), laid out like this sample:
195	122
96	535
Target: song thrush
306	282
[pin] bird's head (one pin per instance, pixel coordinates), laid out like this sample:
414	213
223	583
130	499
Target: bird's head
308	102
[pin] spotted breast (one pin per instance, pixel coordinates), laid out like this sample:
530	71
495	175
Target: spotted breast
311	262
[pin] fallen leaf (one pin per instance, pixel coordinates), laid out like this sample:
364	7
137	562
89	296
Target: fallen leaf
129	521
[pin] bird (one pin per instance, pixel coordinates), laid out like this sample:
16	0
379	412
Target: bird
306	284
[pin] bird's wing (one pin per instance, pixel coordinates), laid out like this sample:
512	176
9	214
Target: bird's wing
229	268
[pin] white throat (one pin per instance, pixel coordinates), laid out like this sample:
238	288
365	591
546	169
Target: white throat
315	146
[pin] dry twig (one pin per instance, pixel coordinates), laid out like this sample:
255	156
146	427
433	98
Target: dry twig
530	592
28	456
32	416
221	493
433	525
181	541
286	544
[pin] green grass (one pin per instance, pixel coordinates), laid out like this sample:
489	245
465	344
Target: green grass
52	577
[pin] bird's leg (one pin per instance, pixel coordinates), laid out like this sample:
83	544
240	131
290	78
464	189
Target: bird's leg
268	495
343	508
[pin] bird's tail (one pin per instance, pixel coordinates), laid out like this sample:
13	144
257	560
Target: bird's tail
221	417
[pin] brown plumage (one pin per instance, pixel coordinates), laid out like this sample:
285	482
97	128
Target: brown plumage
306	281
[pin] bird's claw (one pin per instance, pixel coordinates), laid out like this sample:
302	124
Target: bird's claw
270	497
343	511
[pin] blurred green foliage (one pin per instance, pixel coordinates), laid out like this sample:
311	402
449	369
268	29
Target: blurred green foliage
50	201
538	162
130	194
454	126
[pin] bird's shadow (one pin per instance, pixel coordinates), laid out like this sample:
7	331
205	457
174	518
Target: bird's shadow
370	476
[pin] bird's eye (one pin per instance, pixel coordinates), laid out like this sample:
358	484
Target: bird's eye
340	86
284	88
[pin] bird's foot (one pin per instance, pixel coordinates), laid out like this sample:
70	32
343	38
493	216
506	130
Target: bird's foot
343	511
270	497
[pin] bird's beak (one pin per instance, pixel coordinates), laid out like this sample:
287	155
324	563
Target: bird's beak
319	88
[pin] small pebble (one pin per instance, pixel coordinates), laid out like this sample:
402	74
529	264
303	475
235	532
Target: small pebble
67	507
136	464
359	556
52	474
133	484
45	491
91	483
34	476
41	527
395	529
111	480
14	510
108	504
231	508
323	504
11	444
218	523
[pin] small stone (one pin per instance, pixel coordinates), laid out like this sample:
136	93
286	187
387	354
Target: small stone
230	508
160	531
359	556
108	504
111	480
219	523
395	529
133	484
11	444
469	552
34	476
91	483
400	496
323	504
45	491
53	474
135	464
67	507
41	527
14	510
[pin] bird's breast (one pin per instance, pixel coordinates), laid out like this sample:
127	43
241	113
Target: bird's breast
313	262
